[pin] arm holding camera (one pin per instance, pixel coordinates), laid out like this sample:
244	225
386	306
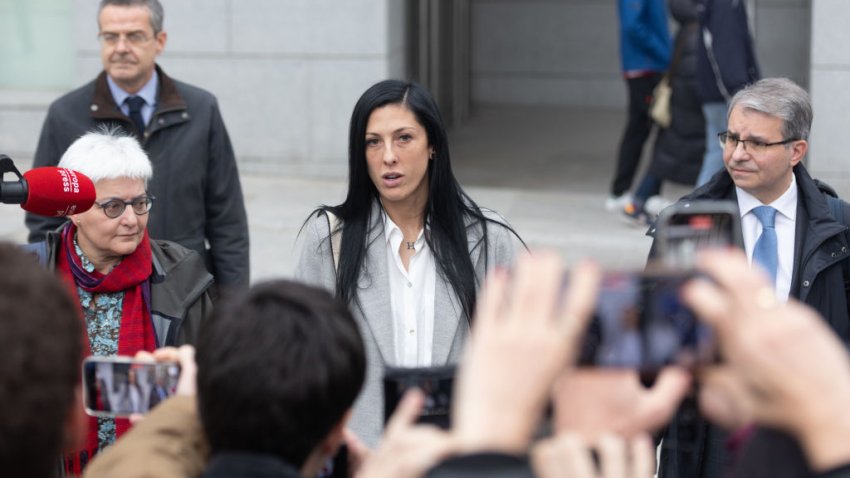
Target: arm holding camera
784	367
167	442
527	334
407	449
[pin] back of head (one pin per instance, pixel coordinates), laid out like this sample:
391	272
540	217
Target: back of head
157	14
278	368
42	348
780	98
107	153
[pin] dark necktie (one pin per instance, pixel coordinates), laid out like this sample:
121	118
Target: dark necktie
765	252
135	104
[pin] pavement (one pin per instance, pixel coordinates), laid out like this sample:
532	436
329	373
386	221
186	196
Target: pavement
546	169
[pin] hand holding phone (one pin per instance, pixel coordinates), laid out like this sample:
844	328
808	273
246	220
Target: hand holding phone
120	386
436	383
641	323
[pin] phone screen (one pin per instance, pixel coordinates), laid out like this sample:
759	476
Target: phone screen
116	387
641	323
436	383
685	229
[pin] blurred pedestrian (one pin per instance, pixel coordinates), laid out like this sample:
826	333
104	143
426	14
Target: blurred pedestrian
726	63
645	56
679	148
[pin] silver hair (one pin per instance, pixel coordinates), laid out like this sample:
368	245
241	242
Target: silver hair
108	153
780	98
157	14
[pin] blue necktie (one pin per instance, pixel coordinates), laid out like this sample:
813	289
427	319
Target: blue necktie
765	252
135	103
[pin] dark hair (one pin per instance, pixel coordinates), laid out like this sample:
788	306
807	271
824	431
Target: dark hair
42	348
447	209
278	367
157	15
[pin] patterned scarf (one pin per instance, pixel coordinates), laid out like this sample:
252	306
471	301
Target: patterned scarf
132	276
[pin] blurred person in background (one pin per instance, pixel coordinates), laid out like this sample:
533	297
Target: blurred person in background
678	150
645	56
726	63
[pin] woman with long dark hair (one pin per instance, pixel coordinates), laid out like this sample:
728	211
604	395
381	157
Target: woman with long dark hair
407	249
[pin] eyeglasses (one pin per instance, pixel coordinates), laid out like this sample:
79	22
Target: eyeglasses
133	38
115	207
728	140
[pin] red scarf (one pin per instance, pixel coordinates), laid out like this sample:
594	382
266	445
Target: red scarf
136	333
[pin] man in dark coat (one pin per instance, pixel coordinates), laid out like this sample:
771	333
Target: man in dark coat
178	125
767	138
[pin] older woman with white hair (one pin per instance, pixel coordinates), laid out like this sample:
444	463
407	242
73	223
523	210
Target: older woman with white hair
135	293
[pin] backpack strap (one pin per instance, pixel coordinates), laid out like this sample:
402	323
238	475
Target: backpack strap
837	209
335	233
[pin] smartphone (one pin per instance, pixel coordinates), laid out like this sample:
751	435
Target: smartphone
685	228
641	323
120	386
437	383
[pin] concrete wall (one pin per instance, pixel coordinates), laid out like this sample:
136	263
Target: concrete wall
566	52
782	32
286	72
830	75
562	52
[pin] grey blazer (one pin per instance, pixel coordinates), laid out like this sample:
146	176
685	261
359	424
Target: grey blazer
371	305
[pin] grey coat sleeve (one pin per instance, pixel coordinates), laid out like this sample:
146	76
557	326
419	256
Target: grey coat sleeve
226	221
504	245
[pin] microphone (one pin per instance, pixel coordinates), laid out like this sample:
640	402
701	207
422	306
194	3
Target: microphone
47	191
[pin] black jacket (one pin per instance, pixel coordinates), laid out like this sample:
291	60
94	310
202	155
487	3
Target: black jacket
481	465
248	465
734	65
679	148
693	447
195	180
180	285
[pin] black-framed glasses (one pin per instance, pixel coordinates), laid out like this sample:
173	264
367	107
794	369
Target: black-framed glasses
728	140
132	38
115	207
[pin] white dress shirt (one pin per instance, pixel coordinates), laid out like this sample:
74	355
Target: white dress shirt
411	297
786	219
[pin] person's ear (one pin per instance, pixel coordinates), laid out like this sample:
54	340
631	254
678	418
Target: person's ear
336	436
799	150
161	38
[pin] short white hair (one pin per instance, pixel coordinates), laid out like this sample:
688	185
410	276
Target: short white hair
108	154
